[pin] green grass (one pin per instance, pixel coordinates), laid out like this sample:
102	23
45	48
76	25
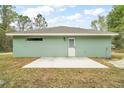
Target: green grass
14	75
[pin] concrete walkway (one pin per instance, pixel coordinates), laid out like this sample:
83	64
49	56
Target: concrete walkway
64	62
118	64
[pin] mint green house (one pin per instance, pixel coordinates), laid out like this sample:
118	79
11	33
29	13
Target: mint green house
62	42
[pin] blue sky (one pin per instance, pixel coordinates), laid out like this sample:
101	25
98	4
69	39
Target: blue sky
59	15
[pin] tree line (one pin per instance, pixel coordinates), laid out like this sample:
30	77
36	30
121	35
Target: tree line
113	22
9	16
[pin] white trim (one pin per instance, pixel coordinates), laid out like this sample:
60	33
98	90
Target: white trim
60	34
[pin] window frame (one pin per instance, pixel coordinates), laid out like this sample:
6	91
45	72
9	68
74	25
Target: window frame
34	39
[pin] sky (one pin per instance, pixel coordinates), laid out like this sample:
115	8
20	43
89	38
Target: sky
69	15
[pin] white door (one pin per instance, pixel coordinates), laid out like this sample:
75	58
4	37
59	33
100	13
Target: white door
71	47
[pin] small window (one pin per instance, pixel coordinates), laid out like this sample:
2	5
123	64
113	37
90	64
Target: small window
34	39
71	43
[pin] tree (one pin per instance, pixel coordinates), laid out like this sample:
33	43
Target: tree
7	15
102	23
40	22
115	18
99	24
94	25
115	21
24	23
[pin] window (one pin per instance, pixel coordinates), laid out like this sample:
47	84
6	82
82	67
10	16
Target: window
34	39
71	43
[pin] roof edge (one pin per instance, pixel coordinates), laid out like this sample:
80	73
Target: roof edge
60	34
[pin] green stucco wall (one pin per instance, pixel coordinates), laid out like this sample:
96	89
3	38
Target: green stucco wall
50	46
58	46
93	46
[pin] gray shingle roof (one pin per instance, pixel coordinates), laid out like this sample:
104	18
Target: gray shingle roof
63	29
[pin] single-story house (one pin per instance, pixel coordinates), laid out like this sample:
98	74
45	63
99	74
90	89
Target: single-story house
62	41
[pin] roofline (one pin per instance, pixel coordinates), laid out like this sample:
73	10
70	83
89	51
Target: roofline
60	34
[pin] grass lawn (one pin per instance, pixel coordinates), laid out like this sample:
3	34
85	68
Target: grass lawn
14	75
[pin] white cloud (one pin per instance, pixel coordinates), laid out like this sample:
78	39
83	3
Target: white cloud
53	20
75	20
56	20
60	6
32	12
88	17
62	9
94	12
57	6
45	10
74	17
72	6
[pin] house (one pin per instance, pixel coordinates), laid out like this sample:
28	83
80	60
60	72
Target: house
62	41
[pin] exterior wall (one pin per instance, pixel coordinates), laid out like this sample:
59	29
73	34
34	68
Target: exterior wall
92	46
50	46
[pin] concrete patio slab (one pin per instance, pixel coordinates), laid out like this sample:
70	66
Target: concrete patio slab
64	62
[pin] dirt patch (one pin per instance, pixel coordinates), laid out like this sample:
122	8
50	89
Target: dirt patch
12	72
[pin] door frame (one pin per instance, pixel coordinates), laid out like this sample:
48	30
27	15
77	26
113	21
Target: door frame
68	44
